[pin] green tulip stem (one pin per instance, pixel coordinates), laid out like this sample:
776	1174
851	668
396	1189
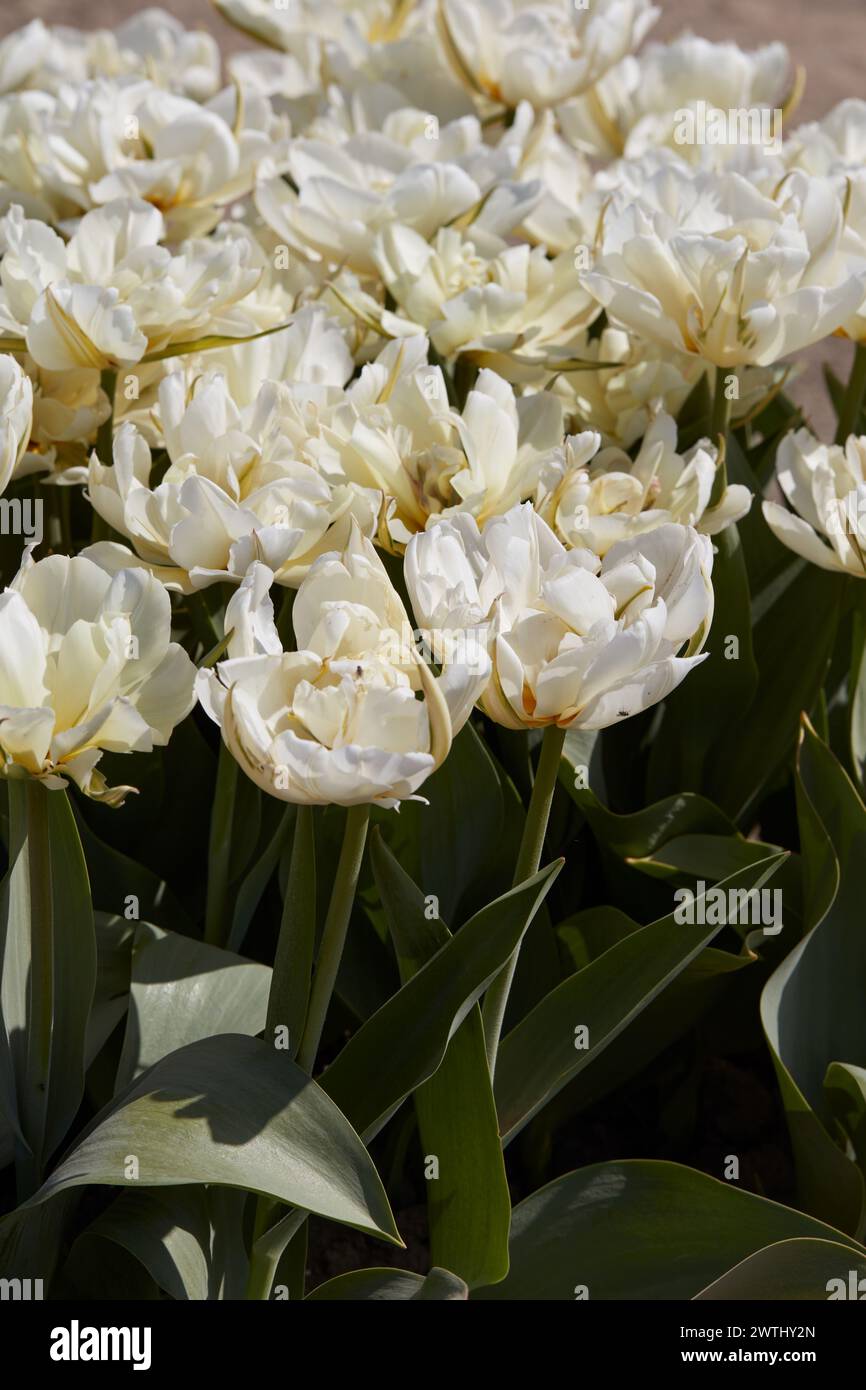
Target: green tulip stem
528	860
269	1242
334	932
852	402
267	1252
105	434
219	846
28	826
720	422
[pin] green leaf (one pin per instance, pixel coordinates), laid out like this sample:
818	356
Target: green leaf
857	699
256	880
710	857
48	955
671	1015
716	694
115	878
182	990
796	1270
234	1111
459	834
640	834
639	1230
541	1055
114	940
293	965
374	1073
812	1006
166	1230
384	1285
845	1090
468	1203
588	934
793	643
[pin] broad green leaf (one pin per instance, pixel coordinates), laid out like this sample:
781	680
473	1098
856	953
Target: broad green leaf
234	1111
48	963
803	1268
543	1053
857	699
590	933
460	833
404	1041
120	884
167	1230
671	1015
293	964
468	1202
845	1090
812	1006
639	834
384	1285
639	1230
710	857
717	692
114	941
182	990
793	643
256	880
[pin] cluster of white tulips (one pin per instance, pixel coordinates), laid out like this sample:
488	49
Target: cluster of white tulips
430	281
396	411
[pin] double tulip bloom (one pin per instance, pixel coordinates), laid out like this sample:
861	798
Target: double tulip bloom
16	417
825	486
710	264
574	639
354	715
87	665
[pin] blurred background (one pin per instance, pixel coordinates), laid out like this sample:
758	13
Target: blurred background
827	36
824	36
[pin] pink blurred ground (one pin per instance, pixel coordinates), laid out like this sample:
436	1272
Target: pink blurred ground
828	37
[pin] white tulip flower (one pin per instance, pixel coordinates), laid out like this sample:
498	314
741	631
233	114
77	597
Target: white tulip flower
235	491
189	161
641	104
16	417
396	432
836	143
354	716
595	499
113	293
544	53
707	264
347	193
576	640
511	313
151	43
87	665
825	485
